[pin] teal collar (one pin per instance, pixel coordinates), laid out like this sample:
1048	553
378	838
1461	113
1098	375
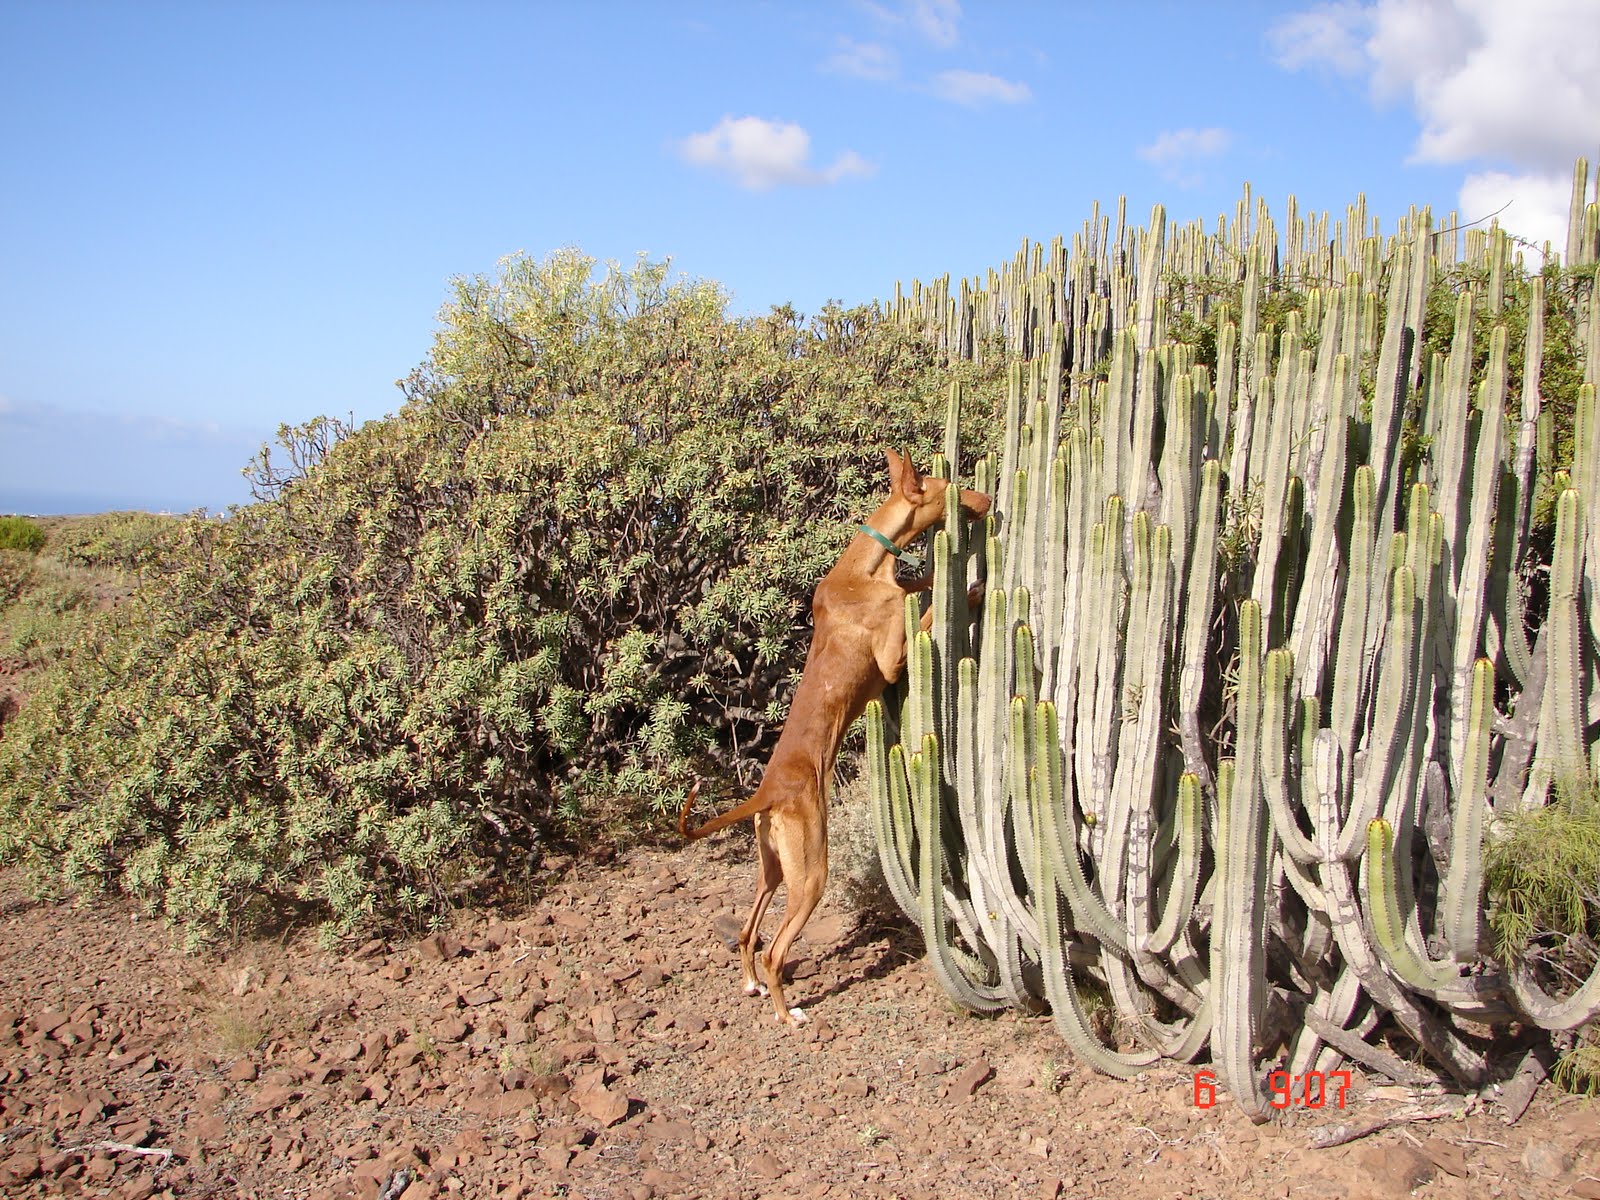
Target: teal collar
914	561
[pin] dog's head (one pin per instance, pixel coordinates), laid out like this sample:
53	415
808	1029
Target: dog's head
926	496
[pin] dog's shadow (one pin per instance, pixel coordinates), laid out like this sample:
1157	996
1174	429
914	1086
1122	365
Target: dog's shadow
895	943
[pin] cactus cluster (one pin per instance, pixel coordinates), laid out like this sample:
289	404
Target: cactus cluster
1225	738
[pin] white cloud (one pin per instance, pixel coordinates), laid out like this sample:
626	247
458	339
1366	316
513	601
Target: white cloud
1492	83
1517	82
864	60
1531	206
974	88
1331	36
761	154
935	20
1177	153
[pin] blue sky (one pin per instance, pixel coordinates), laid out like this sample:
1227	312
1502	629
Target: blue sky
218	217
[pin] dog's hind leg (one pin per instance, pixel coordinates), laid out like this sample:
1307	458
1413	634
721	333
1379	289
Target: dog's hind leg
769	874
805	867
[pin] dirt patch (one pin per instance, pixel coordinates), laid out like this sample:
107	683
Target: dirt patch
598	1045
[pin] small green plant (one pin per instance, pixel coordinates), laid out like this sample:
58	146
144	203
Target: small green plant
1543	870
19	533
1578	1070
429	1049
238	1032
528	1056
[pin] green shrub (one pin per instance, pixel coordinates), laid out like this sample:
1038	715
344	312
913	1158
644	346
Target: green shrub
1542	874
16	572
19	533
125	541
571	571
49	604
41	629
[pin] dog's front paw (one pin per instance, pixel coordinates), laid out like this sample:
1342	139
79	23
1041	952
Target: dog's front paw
755	989
795	1017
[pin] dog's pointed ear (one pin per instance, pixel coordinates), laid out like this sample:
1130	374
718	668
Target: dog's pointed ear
908	480
896	466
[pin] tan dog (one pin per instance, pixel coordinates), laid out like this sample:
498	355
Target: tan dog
858	647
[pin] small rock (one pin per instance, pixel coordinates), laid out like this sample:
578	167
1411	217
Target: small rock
970	1080
1545	1160
925	1064
133	1133
825	931
21	1167
820	1031
50	1021
451	1029
767	1166
212	1128
595	1100
438	947
526	1006
555	1157
270	1099
1447	1156
99	1169
1396	1168
667	1131
243	1071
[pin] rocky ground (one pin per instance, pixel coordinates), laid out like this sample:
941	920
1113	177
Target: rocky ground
596	1044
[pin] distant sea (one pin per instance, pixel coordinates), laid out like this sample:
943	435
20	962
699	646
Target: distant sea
41	503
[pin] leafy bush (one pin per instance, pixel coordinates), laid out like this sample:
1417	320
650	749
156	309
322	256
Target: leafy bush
573	569
125	541
1542	873
16	572
55	606
19	533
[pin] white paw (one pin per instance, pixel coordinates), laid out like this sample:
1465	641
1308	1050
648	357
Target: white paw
755	989
798	1017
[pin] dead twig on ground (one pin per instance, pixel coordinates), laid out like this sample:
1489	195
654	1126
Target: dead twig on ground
1339	1135
123	1148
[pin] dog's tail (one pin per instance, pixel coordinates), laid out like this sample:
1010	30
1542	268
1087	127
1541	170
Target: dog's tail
743	812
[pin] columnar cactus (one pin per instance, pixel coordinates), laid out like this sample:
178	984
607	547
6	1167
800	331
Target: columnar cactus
1235	671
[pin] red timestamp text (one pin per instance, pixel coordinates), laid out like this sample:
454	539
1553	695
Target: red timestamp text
1313	1089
